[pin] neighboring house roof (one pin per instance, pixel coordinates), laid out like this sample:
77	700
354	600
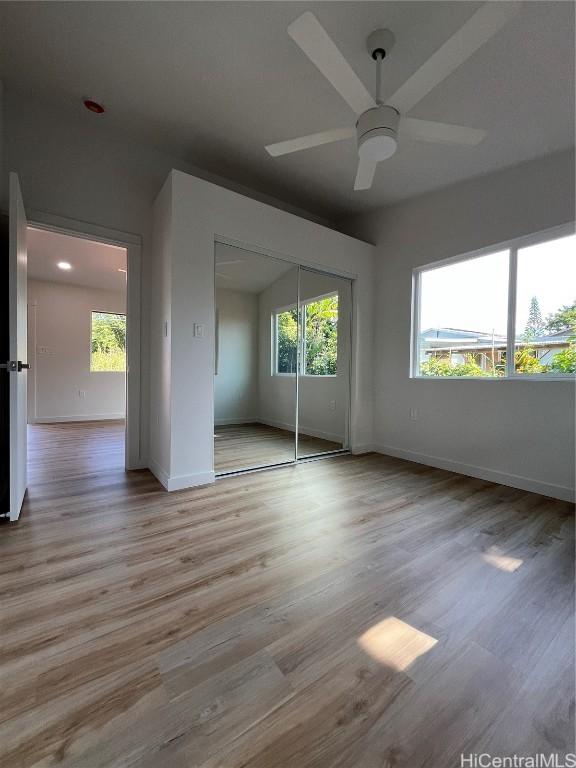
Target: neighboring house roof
557	336
457	333
461	340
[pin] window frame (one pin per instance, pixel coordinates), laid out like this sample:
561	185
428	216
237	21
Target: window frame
512	246
107	312
301	352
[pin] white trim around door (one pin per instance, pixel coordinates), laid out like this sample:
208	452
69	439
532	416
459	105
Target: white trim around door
133	244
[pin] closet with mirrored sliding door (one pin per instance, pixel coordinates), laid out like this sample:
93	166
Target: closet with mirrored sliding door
282	361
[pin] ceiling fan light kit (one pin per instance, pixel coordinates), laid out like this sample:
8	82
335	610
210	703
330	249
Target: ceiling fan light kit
377	131
379	124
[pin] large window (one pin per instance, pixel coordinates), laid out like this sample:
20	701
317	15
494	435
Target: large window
318	338
510	312
108	342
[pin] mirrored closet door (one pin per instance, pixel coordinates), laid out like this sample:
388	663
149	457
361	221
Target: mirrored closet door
256	358
324	363
282	361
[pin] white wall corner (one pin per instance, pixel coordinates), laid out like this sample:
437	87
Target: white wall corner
159	473
181	482
358	450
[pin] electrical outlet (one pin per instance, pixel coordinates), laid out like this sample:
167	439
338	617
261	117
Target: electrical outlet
82	394
332	405
414	414
198	330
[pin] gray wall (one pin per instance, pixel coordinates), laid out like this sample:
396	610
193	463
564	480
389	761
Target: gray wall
59	319
518	432
236	383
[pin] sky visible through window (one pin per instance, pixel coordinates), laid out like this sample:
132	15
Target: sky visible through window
547	271
473	295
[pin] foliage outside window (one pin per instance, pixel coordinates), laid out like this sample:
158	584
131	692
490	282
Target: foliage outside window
287	341
465	313
108	342
318	338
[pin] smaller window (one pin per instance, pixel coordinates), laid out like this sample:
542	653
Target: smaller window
108	342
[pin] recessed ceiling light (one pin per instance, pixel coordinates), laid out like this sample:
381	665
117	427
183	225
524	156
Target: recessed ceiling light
64	265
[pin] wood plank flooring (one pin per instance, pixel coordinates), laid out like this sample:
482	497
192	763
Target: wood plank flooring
246	446
358	612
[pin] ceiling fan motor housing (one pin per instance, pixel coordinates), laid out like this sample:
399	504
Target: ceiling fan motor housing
377	131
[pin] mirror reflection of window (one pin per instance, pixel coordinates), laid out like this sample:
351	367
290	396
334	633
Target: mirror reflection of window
318	338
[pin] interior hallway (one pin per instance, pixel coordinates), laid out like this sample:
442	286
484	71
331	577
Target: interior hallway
74	449
356	612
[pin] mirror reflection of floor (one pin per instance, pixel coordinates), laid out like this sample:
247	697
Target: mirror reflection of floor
244	446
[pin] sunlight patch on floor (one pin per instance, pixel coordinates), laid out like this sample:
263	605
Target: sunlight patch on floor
396	644
504	562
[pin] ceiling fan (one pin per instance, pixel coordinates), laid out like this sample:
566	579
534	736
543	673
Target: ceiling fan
379	122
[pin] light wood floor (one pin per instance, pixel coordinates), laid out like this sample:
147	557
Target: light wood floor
361	612
245	446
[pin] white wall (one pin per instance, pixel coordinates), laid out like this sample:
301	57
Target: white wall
315	393
236	383
74	164
59	319
516	432
199	211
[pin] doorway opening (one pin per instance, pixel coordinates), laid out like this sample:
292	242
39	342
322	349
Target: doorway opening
282	361
77	352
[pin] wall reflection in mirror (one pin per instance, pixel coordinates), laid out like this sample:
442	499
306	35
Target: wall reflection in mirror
282	361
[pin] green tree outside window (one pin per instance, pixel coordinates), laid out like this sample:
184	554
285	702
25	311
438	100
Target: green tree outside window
108	342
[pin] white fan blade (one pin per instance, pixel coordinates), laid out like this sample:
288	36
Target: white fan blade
479	28
229	261
313	140
221	274
441	133
365	173
310	35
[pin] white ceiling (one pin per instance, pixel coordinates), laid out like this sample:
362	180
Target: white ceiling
240	270
214	82
93	264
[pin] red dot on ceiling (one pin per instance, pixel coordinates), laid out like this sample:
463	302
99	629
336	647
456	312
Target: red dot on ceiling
93	106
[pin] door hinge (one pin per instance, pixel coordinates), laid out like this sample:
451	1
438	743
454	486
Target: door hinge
14	366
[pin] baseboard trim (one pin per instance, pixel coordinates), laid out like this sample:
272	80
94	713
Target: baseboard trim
179	482
234	422
79	417
564	493
358	450
159	473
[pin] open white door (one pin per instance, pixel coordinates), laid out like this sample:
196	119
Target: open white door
17	365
